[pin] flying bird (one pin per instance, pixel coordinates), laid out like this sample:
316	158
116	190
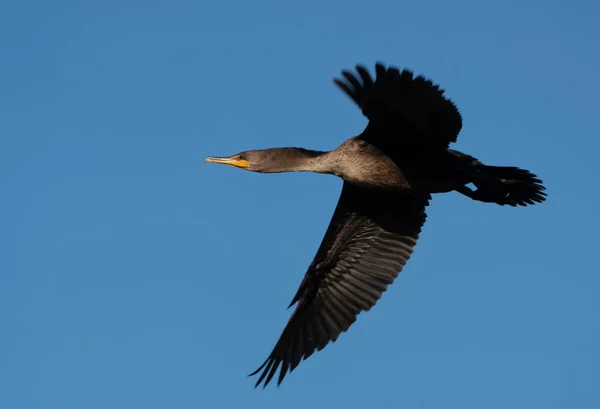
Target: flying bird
389	173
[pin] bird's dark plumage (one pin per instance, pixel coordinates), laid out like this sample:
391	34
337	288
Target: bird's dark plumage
370	238
390	171
402	109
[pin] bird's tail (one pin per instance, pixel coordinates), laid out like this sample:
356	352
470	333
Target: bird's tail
506	185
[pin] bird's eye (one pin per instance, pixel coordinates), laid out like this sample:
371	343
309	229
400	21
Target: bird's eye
242	157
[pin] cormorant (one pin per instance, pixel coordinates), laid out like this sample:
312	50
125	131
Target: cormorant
389	171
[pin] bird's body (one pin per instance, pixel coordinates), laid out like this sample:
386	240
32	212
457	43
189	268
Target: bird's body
408	171
390	171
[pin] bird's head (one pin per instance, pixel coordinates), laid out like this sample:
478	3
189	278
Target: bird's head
239	160
262	160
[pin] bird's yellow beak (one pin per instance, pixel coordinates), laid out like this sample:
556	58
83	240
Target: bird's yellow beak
231	161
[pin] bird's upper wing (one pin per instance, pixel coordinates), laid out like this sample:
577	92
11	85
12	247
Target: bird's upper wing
403	110
369	239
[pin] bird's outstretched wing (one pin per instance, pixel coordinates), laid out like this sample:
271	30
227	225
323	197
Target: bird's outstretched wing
369	239
402	109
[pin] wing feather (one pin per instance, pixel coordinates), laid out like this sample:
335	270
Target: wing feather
370	238
401	108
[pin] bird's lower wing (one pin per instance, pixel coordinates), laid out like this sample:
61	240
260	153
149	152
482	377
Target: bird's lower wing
369	240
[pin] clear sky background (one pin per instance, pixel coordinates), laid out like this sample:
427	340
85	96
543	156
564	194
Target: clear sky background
134	275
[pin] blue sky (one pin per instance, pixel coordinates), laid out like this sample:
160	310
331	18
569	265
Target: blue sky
136	275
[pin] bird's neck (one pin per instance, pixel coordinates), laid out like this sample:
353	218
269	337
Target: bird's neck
312	161
299	160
